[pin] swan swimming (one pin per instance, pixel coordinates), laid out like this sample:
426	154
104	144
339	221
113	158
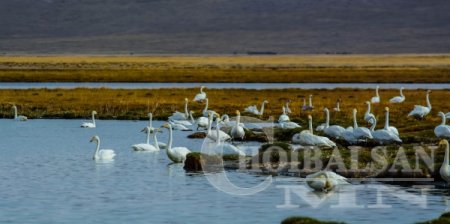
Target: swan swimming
419	112
325	180
225	148
90	124
254	110
147	146
102	154
442	130
398	99
376	98
177	154
200	96
213	135
18	117
179	115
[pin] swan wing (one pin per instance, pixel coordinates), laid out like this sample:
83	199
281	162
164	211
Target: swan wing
200	97
87	125
394	130
442	131
320	127
419	111
106	154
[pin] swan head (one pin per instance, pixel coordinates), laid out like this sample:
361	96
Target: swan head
202	87
265	101
238	113
14	106
443	142
95	138
166	125
355	110
310	117
191	112
310	96
441	114
367	102
325	109
386	109
428	91
94	112
186	99
150	115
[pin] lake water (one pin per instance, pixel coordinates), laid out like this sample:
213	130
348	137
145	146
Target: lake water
71	85
47	175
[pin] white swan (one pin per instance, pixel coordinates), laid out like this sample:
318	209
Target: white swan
419	111
102	154
213	135
360	132
184	122
398	99
254	109
179	127
307	138
202	122
337	108
200	96
376	98
392	129
283	117
444	171
179	115
206	111
383	136
325	180
90	124
177	154
442	130
238	131
334	131
368	115
18	117
225	148
147	146
289	125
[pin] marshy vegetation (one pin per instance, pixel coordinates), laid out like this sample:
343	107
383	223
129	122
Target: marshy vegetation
273	69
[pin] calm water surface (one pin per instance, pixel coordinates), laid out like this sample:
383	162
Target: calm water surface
71	85
47	176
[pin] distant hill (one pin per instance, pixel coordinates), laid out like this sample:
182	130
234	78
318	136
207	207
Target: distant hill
224	26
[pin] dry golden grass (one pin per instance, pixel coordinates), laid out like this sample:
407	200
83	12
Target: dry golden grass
134	104
290	68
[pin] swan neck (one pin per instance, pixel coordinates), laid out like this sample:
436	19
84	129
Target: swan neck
192	118
217	132
445	164
148	136
327	120
186	109
372	128
93	118
310	101
238	120
310	126
262	109
169	144
444	120
150	122
428	101
368	108
155	140
337	105
97	149
355	124
209	125
401	93
386	122
377	92
206	105
15	112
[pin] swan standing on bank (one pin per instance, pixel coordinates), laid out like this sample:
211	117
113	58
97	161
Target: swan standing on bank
147	146
419	112
102	154
368	115
238	131
442	130
179	115
90	124
177	154
283	117
18	117
254	109
383	136
398	99
392	129
376	98
307	138
334	131
360	132
325	180
337	108
200	96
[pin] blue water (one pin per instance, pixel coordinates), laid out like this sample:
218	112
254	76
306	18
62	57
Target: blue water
71	85
47	175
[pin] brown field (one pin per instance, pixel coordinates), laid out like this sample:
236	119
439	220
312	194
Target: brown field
134	104
287	68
